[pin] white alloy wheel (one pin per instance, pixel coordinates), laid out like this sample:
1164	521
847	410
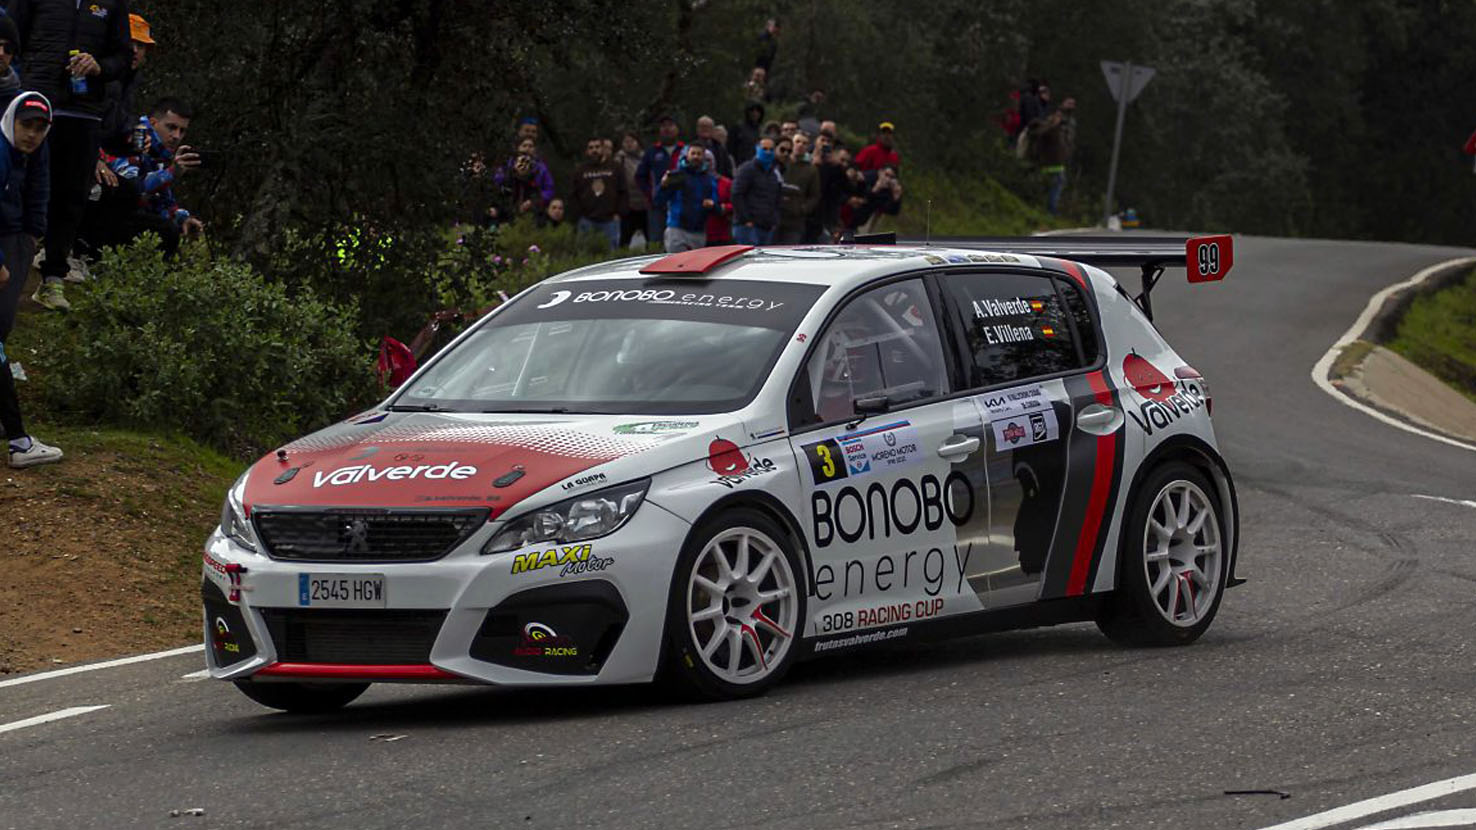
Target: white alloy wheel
1182	553
742	606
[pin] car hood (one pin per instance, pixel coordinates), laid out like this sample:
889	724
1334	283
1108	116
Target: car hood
388	459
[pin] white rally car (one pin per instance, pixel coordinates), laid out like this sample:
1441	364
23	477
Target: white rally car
716	463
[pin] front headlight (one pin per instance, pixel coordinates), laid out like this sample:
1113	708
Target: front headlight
233	521
575	520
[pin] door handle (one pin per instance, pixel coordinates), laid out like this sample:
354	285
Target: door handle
958	448
1098	419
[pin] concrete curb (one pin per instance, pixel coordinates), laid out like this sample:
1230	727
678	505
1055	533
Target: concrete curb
1384	381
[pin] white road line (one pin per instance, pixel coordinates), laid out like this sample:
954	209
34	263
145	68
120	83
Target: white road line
1433	818
1462	502
48	718
1320	371
106	664
1380	804
196	675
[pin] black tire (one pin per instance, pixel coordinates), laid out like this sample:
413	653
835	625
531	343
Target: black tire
302	698
684	670
1131	615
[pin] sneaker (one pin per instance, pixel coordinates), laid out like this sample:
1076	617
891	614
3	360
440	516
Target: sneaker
77	270
39	453
50	295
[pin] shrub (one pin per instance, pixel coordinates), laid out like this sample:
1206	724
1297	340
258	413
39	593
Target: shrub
207	347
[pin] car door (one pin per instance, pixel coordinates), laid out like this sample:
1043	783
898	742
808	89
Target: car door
1027	343
895	501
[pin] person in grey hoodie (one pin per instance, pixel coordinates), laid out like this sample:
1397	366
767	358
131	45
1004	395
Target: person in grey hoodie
25	186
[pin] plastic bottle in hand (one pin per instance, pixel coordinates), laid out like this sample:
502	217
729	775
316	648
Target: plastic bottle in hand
79	82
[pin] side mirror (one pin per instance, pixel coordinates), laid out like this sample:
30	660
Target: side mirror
872	405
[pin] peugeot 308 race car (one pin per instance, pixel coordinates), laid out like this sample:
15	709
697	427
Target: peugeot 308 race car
717	463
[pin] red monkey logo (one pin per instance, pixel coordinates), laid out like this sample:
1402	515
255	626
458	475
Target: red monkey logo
724	458
1146	379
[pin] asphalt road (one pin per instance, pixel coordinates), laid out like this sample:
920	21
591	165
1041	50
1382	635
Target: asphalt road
1343	670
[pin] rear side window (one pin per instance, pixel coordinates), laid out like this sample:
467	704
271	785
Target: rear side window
1016	326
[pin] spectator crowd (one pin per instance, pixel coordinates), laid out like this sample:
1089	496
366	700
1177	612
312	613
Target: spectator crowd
761	182
82	167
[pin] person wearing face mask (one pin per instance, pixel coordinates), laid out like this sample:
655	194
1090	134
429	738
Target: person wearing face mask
688	195
801	198
25	176
757	190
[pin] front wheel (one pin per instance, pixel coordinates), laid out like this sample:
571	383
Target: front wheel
1171	563
735	608
302	698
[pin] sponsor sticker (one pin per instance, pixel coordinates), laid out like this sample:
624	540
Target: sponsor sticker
571	560
541	640
654	427
368	472
875	616
879	449
1162	401
1015	431
860	639
583	481
1020	417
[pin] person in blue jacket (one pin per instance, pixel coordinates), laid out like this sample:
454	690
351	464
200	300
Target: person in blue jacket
25	187
689	195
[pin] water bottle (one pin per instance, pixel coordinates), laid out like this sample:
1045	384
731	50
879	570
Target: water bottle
140	137
79	82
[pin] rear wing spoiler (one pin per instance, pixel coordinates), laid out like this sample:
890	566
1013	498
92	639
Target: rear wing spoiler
1207	258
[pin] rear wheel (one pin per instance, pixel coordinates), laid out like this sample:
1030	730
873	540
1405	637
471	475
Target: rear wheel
1171	563
735	607
302	698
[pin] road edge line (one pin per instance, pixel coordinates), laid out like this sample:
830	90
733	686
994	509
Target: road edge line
1380	804
106	664
1323	368
59	714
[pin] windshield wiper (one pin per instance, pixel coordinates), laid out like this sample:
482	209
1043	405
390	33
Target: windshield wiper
554	410
418	407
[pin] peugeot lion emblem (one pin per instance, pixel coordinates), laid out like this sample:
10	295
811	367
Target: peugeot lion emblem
355	536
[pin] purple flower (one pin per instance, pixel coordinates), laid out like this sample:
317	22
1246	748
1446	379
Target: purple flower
460	240
496	259
533	249
525	260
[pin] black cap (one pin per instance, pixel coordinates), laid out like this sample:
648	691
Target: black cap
33	105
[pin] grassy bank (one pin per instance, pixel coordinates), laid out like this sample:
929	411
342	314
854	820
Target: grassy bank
1439	333
100	554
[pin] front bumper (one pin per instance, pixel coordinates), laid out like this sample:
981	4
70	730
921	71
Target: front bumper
463	618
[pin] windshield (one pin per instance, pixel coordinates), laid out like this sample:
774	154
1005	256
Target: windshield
620	347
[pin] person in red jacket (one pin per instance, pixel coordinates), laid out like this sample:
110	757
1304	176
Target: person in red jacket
720	223
879	153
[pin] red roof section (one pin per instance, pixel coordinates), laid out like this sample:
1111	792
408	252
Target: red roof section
699	261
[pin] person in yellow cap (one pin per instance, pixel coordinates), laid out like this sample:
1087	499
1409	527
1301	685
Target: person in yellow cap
879	153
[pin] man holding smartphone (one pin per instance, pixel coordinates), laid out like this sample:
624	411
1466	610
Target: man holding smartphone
72	51
152	173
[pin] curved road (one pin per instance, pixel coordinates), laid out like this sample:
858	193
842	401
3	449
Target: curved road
1343	670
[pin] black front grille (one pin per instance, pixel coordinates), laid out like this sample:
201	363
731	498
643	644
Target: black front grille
365	535
366	638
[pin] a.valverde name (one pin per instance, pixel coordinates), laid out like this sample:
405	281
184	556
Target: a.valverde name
365	472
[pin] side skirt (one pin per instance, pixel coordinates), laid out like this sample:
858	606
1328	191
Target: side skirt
1036	615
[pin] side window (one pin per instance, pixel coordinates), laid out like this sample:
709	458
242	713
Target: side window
884	342
1014	325
1081	314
